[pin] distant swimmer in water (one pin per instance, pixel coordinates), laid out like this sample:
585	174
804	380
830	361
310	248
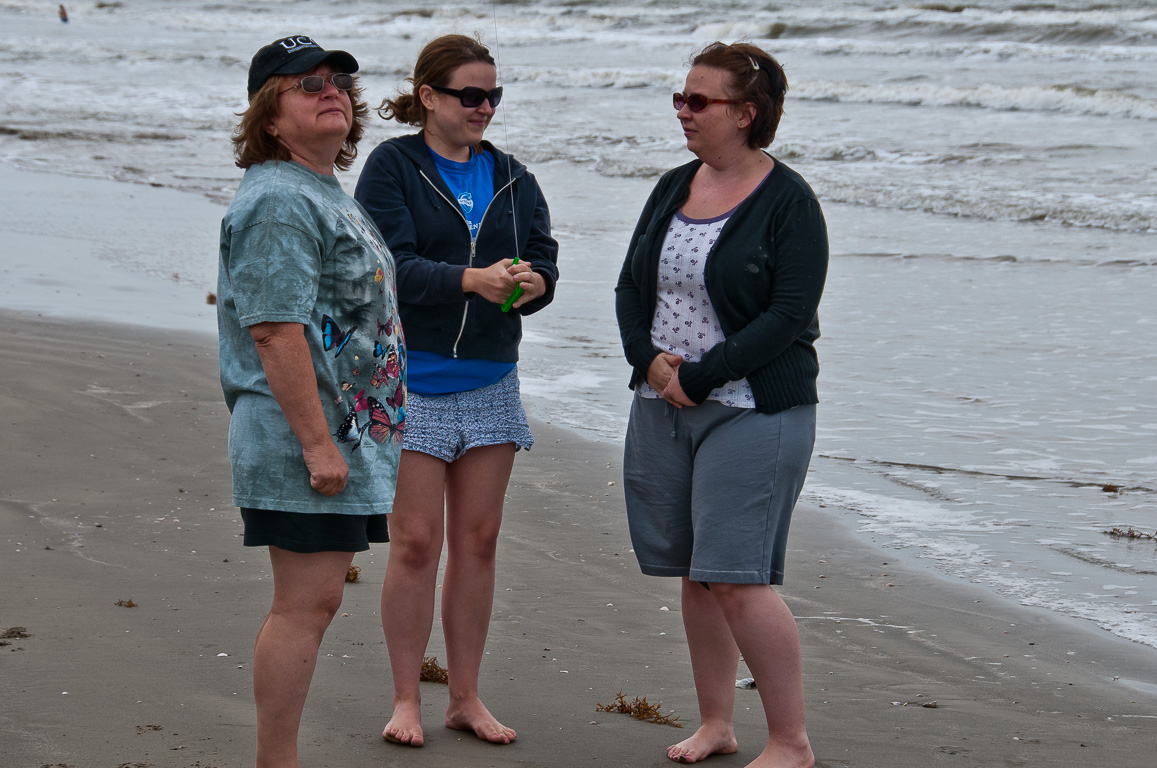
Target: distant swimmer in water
63	14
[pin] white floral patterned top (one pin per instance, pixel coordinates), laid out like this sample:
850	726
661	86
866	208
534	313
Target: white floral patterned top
685	323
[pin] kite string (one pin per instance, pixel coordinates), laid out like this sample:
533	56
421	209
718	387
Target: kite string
505	125
506	305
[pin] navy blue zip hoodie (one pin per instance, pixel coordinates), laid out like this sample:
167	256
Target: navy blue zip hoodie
402	190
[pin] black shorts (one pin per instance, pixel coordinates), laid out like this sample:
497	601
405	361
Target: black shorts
306	533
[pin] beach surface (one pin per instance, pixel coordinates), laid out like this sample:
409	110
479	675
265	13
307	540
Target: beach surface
115	489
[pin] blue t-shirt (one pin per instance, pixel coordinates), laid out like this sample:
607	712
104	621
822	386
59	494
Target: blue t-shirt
472	183
295	248
432	374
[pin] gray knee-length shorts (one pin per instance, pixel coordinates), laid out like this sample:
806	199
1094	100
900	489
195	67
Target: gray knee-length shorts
710	489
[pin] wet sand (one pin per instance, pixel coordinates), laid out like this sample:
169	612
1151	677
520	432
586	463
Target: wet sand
115	487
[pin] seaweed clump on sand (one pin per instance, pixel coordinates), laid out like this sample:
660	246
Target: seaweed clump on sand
640	709
1120	533
353	573
432	671
126	603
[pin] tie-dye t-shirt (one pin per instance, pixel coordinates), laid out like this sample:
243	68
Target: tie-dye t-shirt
295	248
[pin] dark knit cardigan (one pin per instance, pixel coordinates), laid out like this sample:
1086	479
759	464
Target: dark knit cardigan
764	276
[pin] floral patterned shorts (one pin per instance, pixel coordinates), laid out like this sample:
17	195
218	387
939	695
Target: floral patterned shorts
446	426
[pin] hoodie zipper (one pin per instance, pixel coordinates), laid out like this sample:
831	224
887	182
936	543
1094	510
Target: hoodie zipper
473	243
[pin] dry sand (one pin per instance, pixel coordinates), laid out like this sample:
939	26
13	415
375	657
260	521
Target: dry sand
114	487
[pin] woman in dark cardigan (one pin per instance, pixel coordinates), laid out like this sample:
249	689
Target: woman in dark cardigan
716	304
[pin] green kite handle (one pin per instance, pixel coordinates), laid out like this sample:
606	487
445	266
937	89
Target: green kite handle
506	305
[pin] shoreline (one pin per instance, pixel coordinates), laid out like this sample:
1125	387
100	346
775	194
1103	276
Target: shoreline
116	488
79	247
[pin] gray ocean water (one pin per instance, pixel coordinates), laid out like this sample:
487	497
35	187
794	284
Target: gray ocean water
989	343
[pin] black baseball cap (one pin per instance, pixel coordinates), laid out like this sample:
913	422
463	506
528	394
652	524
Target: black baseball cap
293	55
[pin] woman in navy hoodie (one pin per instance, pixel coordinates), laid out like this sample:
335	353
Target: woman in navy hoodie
470	233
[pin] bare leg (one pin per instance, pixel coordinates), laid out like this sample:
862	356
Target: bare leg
765	632
307	592
416	530
714	658
475	492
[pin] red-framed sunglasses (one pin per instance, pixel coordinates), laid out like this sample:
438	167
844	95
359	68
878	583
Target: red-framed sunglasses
697	102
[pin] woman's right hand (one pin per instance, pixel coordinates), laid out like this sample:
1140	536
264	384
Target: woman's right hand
493	283
328	470
288	366
660	371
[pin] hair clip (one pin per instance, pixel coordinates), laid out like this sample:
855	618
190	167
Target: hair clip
754	63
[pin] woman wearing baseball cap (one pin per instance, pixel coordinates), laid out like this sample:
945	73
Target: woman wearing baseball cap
307	314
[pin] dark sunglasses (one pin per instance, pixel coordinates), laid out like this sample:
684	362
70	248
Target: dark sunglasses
471	97
697	102
316	83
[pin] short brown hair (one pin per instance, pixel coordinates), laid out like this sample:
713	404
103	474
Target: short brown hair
755	77
436	63
253	144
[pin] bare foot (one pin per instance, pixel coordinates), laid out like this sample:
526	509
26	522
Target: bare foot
473	716
777	755
405	727
706	741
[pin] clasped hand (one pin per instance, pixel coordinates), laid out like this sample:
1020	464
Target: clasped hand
663	376
496	282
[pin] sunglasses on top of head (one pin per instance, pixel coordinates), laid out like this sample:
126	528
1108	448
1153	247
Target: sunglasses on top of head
697	102
316	83
472	97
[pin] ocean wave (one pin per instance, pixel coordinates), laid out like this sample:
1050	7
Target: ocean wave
74	134
102	55
853	174
974	27
820	33
994	49
48	12
1035	24
1008	472
615	166
991	154
521	21
1067	98
986	154
990	204
94	54
596	77
1009	258
963	545
1044	23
